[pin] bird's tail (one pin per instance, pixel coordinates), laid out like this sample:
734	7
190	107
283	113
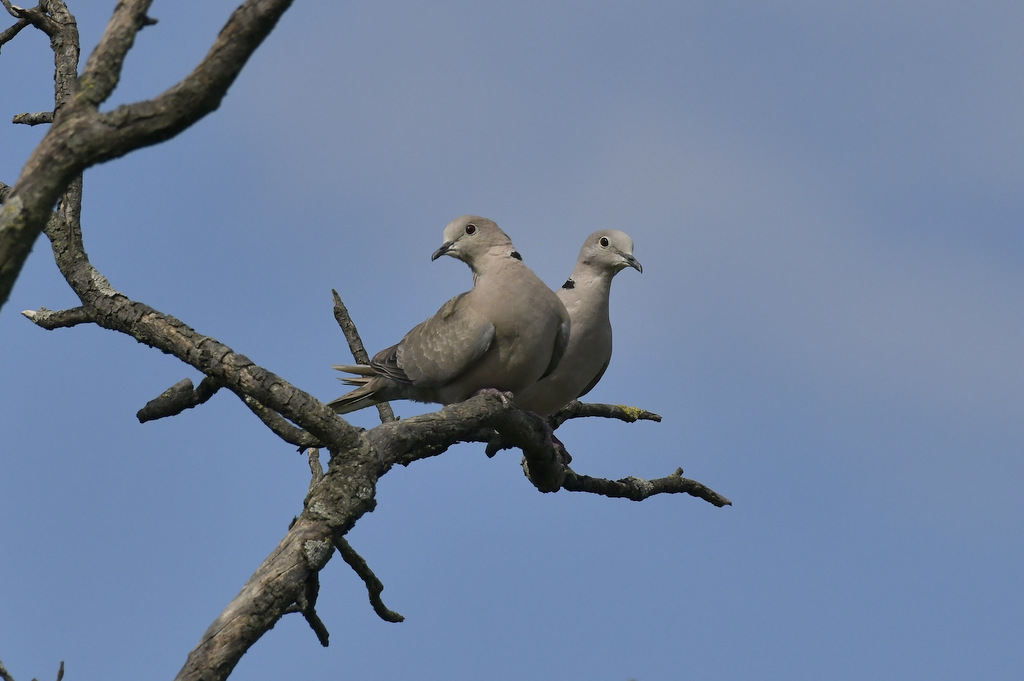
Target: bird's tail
363	373
361	397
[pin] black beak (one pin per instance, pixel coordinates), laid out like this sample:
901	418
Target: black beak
633	262
445	247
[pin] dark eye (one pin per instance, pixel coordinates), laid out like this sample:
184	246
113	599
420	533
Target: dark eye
604	242
471	228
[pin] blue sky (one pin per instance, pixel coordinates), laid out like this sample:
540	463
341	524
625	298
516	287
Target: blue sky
826	199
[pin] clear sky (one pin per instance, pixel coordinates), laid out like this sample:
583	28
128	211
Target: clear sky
828	202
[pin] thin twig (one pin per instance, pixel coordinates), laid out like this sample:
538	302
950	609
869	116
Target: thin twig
306	604
280	425
355	344
373	585
638	489
577	409
8	33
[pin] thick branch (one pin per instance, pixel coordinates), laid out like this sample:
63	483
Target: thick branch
178	398
333	505
26	211
103	69
408	440
81	137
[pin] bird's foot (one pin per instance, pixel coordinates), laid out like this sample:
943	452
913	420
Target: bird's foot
505	397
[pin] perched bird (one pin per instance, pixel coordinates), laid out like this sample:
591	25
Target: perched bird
506	333
585	295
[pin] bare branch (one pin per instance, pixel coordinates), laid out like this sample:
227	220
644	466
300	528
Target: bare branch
577	409
178	398
143	123
355	345
62	319
81	137
37	16
345	493
638	489
280	425
316	470
46	175
427	435
11	9
307	606
374	586
103	69
113	310
7	35
34	118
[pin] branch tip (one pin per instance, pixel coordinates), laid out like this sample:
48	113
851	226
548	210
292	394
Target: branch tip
373	585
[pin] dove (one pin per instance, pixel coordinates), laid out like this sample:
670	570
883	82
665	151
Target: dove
585	294
506	333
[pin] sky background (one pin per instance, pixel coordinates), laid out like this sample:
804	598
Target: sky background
828	202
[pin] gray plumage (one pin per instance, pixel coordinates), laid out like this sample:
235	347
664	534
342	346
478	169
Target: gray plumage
585	295
506	333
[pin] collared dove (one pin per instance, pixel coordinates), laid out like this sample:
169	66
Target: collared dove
585	295
506	333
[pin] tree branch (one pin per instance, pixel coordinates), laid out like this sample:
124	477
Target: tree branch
355	345
49	320
103	69
577	409
307	606
81	137
374	586
178	398
7	35
638	489
34	118
280	425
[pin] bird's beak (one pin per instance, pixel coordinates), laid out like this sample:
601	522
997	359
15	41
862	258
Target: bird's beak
445	249
632	262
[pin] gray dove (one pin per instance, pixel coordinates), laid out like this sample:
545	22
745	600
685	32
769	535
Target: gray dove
585	295
506	333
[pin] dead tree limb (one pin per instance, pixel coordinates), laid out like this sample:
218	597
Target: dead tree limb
82	136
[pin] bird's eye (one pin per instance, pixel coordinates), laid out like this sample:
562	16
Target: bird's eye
471	229
604	242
